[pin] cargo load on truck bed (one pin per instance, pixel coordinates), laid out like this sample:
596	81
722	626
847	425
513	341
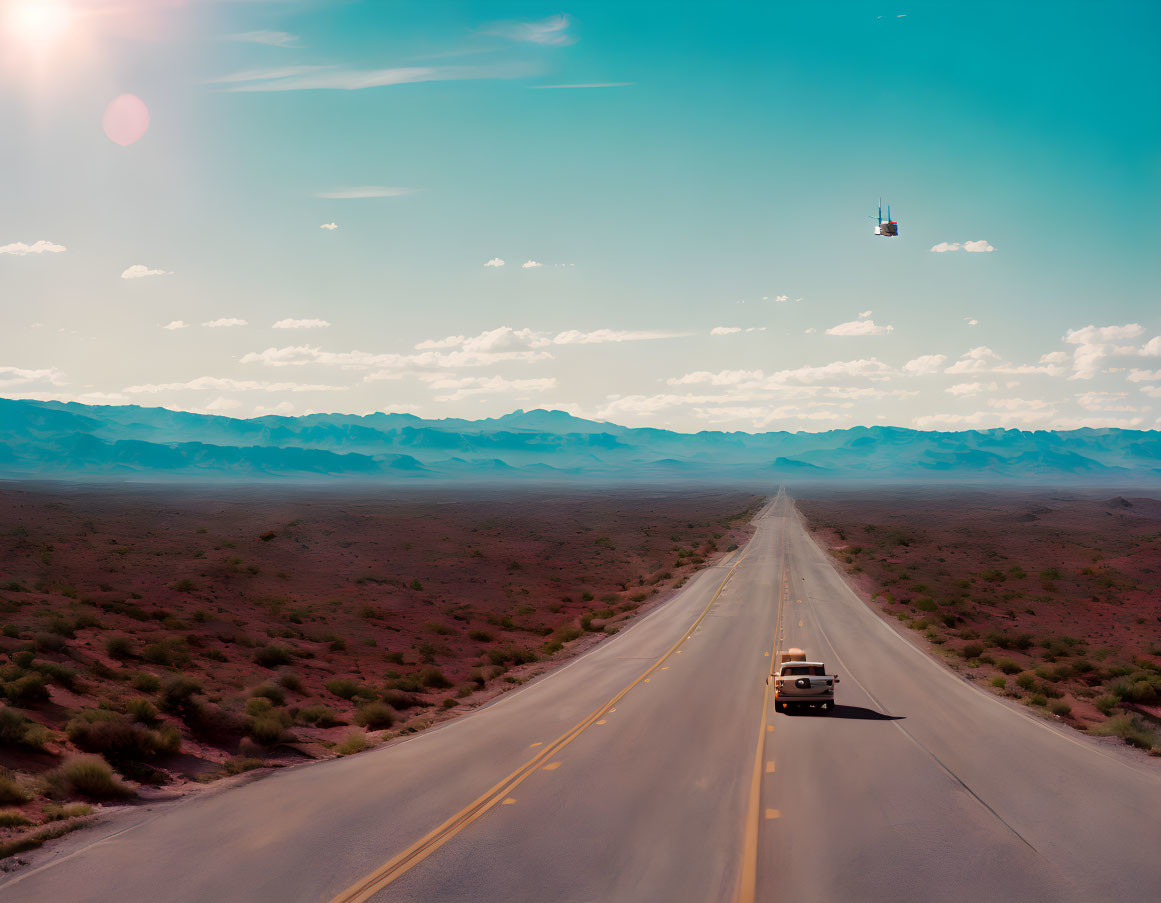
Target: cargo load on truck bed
799	683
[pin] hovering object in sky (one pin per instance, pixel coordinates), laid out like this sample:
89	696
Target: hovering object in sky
887	229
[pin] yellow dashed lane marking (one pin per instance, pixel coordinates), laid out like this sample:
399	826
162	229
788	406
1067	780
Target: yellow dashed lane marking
603	721
508	802
370	885
536	744
773	813
769	767
551	766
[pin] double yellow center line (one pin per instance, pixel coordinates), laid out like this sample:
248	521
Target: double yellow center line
748	883
367	887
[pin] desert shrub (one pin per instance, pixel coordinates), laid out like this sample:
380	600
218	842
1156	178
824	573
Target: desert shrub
1008	666
1026	681
290	681
270	691
88	775
258	705
62	675
13	818
925	604
972	650
168	653
119	647
11	793
999	682
396	658
399	699
416	585
177	693
141	710
26	690
1038	699
272	656
1105	704
1060	707
318	715
117	738
448	703
434	678
354	742
184	585
16	729
267	728
437	628
55	812
511	654
480	636
145	682
1129	728
375	716
343	687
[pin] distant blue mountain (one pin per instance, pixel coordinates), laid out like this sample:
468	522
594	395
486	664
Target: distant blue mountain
68	440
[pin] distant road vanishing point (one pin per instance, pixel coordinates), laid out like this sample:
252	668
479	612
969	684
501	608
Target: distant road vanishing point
655	769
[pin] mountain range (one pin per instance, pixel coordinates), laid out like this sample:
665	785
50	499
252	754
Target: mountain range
48	439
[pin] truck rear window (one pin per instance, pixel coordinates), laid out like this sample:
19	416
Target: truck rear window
803	671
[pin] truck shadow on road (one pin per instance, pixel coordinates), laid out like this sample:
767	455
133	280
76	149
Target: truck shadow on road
855	712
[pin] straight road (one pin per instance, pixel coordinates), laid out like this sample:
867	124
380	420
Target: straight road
654	769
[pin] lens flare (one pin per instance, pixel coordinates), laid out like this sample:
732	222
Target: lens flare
126	119
39	22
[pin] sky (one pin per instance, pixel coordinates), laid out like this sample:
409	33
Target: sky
655	214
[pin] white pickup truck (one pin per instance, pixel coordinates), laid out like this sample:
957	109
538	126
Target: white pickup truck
801	683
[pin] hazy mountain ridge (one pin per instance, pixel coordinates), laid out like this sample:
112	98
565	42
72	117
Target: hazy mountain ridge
59	439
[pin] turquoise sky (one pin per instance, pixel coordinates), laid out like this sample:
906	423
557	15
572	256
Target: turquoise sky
692	181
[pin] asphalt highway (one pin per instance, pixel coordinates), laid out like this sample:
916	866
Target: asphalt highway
654	768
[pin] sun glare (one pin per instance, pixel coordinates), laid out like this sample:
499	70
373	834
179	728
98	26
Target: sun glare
38	23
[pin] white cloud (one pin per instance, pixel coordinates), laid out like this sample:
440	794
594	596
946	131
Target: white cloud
865	368
270	38
586	85
550	32
495	262
364	191
301	324
1105	401
18	376
1054	357
140	271
859	327
530	265
330	227
176	324
228	384
283	408
976	247
1151	348
925	364
225	321
1152	391
781	298
809	331
335	78
601	336
971	321
725	330
223	404
1077	423
865	314
465	387
20	249
1095	343
1091	335
979	358
1143	376
966	390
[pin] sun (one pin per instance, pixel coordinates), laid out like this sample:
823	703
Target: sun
38	23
